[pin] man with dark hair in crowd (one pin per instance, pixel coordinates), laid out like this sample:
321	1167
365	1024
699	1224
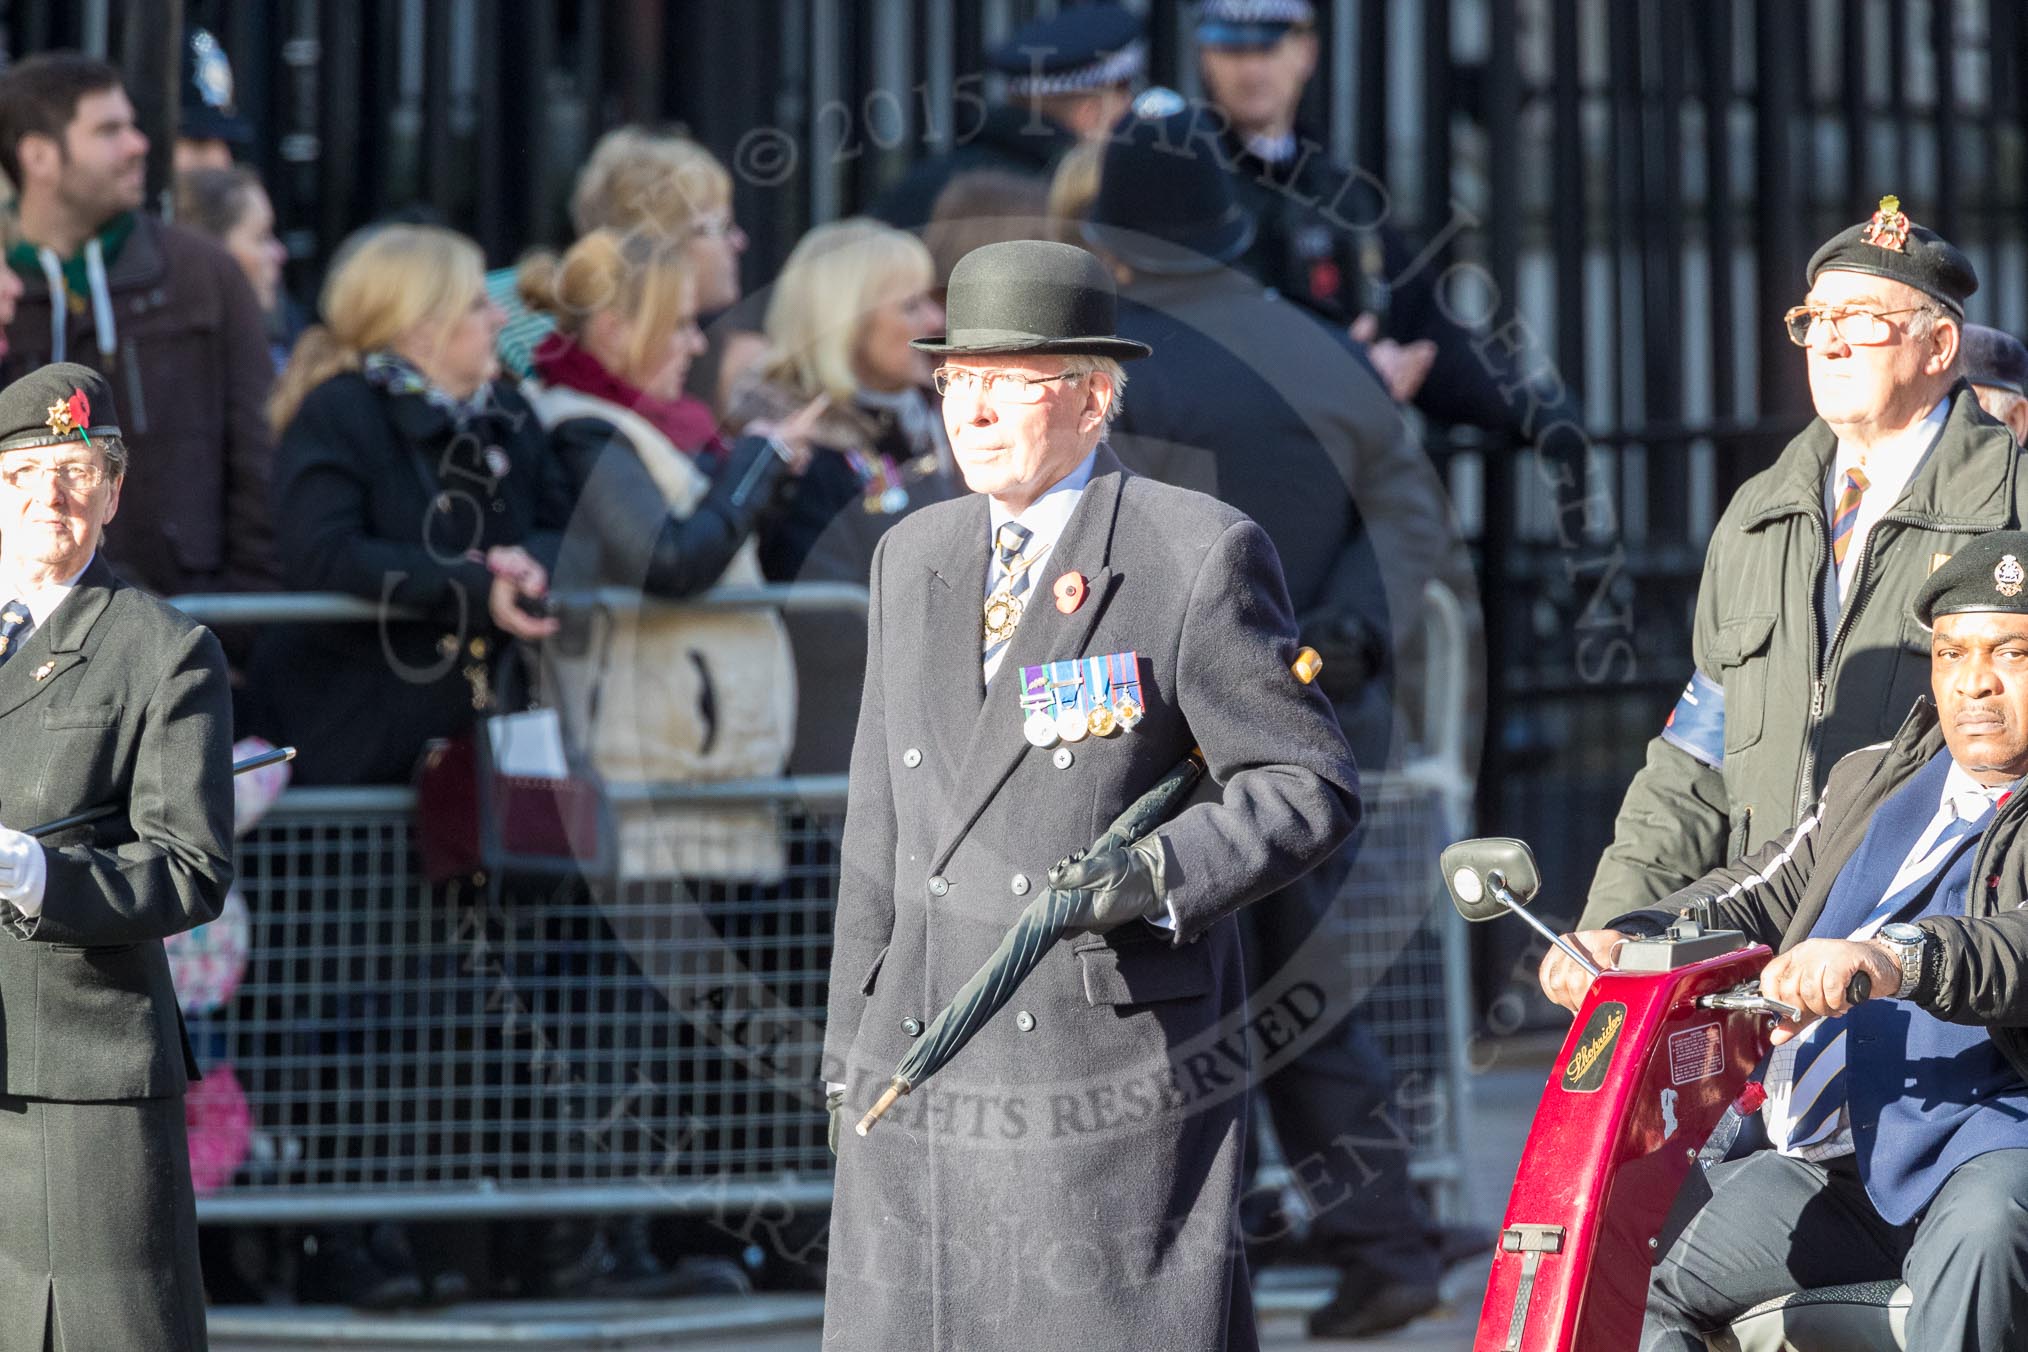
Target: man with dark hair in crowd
1323	238
1069	77
162	312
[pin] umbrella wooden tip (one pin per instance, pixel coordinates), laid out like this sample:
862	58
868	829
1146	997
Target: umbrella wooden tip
1307	666
887	1100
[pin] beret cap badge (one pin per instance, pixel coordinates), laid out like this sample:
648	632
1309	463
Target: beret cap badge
2008	575
1888	229
71	415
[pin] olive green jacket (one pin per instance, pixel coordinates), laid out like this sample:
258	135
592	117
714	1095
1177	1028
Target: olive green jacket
1790	716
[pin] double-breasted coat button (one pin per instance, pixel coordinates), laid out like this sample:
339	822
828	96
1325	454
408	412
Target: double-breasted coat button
911	758
1020	884
1025	1021
938	886
1063	758
912	1026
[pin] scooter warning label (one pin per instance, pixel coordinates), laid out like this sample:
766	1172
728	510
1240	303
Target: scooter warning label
1696	1054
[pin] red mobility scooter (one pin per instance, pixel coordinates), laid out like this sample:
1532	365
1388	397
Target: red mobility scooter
1664	1043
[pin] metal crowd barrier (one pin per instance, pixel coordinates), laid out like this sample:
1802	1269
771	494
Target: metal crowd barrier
414	1052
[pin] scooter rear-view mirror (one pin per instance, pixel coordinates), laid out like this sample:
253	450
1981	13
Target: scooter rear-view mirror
1472	868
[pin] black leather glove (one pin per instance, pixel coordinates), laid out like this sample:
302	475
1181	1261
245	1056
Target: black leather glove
1114	886
834	1104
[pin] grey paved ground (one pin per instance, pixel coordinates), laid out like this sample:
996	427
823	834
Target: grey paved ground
1503	1100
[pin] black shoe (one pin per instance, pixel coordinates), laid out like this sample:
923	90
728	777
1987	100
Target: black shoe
341	1267
634	1273
1363	1308
573	1254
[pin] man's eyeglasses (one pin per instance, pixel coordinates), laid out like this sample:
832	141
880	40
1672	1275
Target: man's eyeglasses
76	476
1854	327
996	387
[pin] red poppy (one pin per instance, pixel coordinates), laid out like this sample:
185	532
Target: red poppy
80	408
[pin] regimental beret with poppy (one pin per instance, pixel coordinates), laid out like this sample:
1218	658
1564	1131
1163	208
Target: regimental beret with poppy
1889	244
58	403
1990	572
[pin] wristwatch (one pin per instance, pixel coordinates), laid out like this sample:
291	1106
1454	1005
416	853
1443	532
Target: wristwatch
1906	942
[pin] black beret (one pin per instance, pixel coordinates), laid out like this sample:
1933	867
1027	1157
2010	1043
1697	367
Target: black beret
55	404
1073	50
1994	358
1891	245
1990	572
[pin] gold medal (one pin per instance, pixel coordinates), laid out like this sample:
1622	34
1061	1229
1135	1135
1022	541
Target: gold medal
1003	615
1103	722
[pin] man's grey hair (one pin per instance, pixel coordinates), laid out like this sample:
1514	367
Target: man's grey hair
115	451
1086	364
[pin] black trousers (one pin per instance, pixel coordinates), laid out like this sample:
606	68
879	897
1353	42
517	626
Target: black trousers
1770	1225
1333	1104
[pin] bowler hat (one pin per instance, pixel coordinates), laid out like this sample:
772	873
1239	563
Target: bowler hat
1031	297
1164	204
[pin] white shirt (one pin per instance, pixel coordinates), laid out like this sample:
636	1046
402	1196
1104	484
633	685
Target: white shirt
1044	519
1962	798
23	867
1888	468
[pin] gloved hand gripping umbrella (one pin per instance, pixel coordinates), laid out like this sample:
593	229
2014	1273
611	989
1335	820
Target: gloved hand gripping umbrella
1040	925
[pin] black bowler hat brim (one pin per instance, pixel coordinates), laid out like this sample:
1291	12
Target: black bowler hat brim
1014	343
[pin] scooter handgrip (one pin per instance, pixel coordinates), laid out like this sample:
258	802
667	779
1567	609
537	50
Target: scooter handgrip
1859	989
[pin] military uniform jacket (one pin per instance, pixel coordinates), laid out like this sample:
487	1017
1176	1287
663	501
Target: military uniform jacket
1070	1179
1789	713
116	698
1776	894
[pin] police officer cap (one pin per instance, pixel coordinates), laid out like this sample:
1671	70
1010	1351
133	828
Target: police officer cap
1987	573
208	111
58	403
1891	245
1072	51
1994	358
1251	23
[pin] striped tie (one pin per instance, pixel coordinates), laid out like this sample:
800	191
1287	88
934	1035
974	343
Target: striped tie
14	622
1008	542
1847	514
1806	1076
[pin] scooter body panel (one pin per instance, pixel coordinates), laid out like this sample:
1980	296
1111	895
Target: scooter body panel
1641	1081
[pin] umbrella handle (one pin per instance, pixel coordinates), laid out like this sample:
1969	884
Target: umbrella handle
274	756
1148	811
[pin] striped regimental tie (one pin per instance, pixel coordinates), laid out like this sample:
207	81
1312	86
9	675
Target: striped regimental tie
1008	542
1847	514
14	622
1806	1075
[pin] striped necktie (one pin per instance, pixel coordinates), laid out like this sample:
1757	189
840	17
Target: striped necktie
1847	514
1008	542
14	622
1806	1076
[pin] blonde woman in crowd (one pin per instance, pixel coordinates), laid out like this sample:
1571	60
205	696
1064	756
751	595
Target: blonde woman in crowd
839	321
661	695
664	187
406	474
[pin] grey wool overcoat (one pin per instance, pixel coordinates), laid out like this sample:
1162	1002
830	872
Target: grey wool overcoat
114	698
1070	1179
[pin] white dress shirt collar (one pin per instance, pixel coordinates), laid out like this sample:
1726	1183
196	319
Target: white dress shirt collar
1046	517
1889	465
42	601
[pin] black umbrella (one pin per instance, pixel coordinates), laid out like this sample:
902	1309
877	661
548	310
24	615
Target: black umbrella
1039	926
103	810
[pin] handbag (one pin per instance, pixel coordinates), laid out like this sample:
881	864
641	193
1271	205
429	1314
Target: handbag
503	804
